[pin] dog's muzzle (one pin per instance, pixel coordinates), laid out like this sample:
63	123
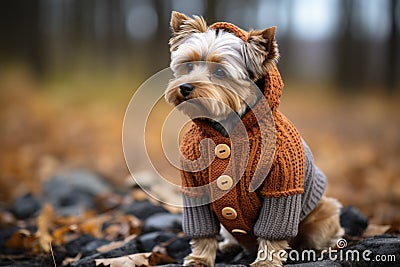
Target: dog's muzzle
185	89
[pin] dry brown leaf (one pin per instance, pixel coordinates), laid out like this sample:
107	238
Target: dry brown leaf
108	201
93	226
139	195
59	233
139	259
159	259
114	230
115	244
43	223
375	229
110	246
66	220
69	260
21	239
135	224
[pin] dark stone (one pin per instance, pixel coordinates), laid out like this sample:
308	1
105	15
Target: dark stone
242	258
26	206
324	263
90	248
162	222
130	247
84	181
143	209
230	253
29	261
383	245
353	221
179	248
85	244
71	193
147	242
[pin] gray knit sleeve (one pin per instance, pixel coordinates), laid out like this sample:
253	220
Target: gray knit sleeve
199	221
279	218
314	184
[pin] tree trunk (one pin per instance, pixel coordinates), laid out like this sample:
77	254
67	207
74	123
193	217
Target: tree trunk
393	50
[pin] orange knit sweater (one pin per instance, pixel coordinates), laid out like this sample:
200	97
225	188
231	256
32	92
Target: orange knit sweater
285	176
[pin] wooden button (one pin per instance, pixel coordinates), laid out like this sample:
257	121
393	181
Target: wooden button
229	213
224	182
239	231
222	151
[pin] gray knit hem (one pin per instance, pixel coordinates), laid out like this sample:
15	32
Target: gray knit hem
279	218
314	184
199	221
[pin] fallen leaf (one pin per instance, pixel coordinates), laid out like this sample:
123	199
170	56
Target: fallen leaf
69	260
116	244
160	259
43	223
21	239
139	195
93	226
375	229
139	259
59	234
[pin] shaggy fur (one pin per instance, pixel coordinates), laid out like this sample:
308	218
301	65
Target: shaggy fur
220	69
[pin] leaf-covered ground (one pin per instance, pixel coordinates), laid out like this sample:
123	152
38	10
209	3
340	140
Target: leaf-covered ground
50	131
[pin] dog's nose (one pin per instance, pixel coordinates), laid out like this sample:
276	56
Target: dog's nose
186	88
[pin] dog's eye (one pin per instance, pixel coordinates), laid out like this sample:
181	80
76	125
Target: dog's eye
219	73
189	66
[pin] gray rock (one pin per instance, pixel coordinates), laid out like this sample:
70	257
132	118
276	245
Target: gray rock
143	209
26	206
383	245
84	244
126	249
81	180
162	222
148	241
324	263
179	248
71	193
353	221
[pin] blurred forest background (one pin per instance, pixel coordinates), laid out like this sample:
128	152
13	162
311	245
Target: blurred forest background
68	69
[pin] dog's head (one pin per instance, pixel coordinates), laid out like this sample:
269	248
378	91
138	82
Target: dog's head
216	67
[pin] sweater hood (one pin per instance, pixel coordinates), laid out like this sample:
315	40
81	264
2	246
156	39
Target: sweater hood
272	80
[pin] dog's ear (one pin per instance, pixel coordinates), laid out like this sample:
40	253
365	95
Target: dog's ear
182	26
260	52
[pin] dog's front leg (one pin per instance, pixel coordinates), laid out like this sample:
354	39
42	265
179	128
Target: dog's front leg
271	253
203	252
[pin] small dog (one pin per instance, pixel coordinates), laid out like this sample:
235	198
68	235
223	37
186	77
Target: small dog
216	69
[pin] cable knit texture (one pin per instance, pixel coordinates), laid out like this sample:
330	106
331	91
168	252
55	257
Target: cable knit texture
279	217
274	209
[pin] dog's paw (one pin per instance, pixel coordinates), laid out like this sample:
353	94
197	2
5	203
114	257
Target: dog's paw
266	263
197	261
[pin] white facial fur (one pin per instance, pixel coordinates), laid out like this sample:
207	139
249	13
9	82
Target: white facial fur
211	43
222	48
